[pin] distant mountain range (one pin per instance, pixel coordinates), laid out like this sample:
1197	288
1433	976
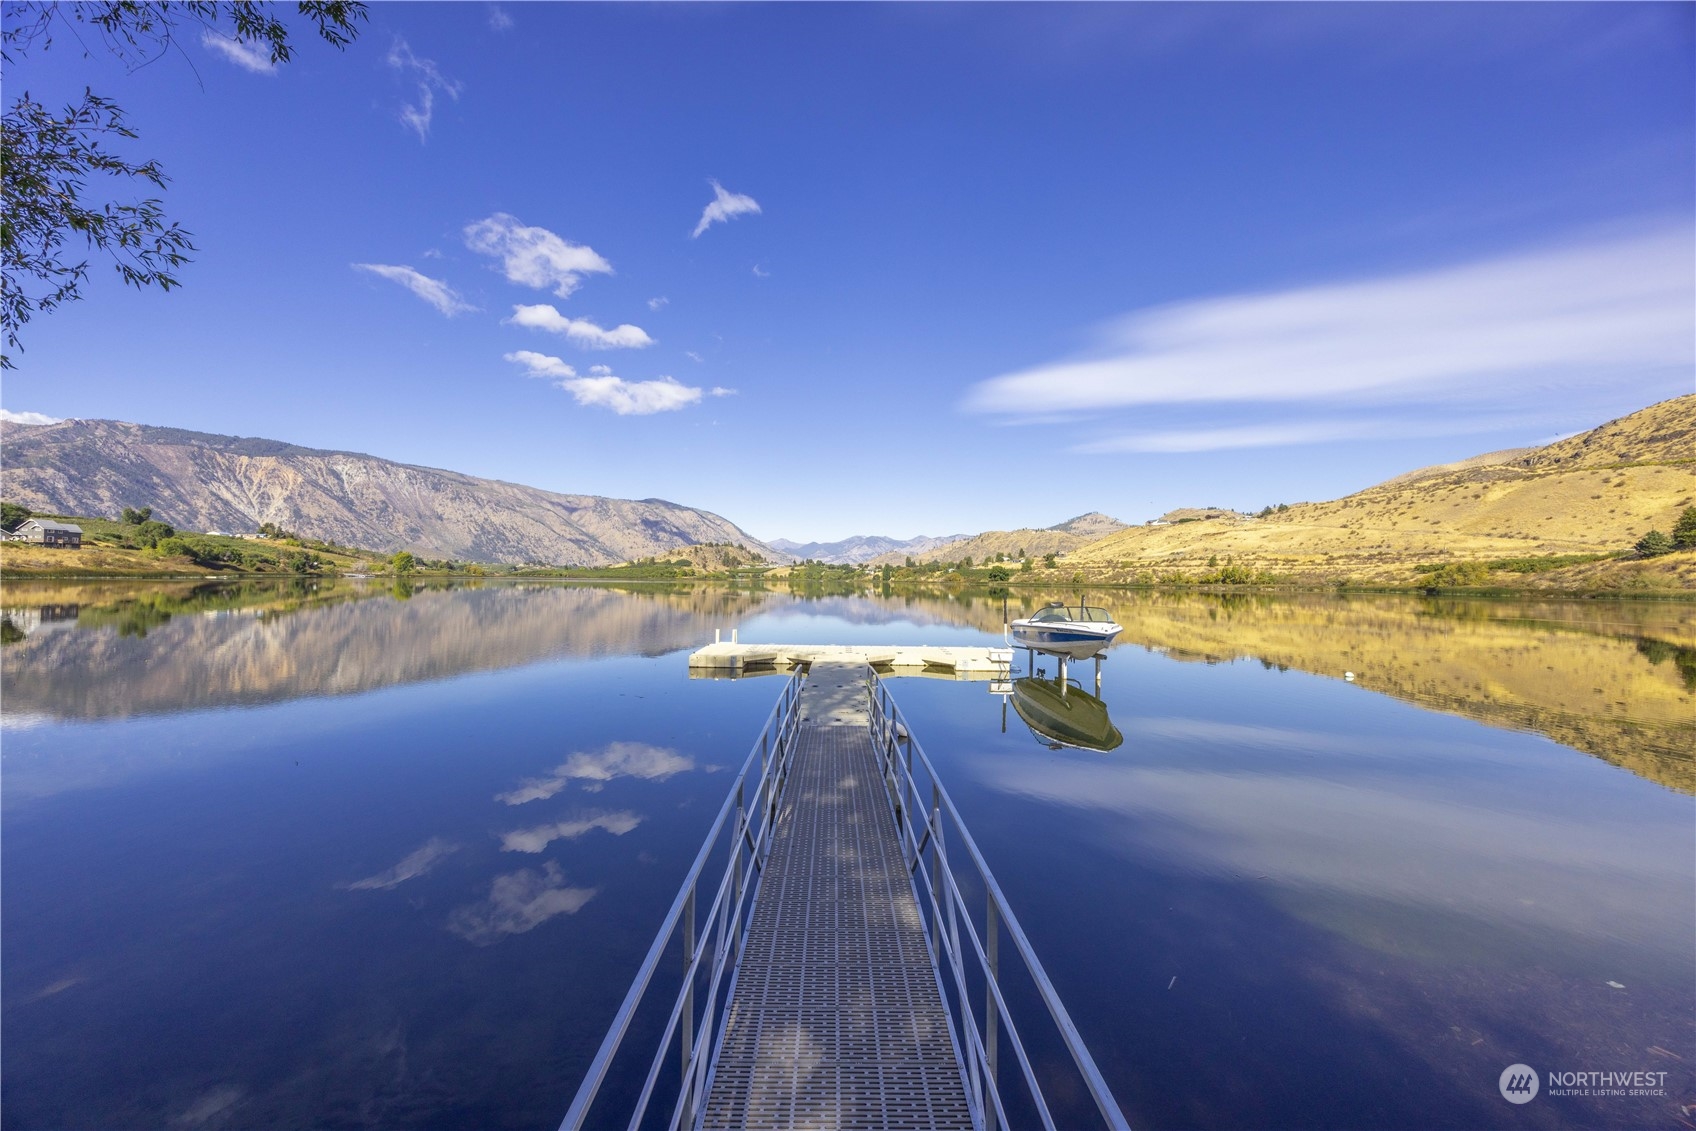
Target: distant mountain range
199	481
861	548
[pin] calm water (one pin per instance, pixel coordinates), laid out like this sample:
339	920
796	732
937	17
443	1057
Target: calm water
333	857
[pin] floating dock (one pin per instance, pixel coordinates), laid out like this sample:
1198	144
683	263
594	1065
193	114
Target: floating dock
732	660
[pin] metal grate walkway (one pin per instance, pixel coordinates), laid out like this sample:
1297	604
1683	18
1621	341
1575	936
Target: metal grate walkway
836	1020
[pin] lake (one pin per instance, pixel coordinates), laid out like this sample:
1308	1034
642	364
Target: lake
330	854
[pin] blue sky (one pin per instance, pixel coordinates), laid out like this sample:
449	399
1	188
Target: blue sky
902	269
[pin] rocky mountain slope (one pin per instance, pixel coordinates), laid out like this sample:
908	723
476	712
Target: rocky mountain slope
197	481
1593	493
862	547
1057	539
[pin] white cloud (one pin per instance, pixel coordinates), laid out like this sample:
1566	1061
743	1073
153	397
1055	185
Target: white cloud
518	902
540	365
761	272
538	838
248	58
498	18
723	207
601	389
615	760
632	398
7	416
429	79
581	331
433	291
721	391
413	865
534	257
695	357
1509	327
658	302
1296	432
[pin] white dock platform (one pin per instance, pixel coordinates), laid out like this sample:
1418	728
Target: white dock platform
732	660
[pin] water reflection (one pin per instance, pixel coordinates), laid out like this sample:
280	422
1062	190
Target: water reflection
1064	714
414	864
518	902
617	760
537	838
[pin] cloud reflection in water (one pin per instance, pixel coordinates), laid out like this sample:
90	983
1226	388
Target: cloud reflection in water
617	760
537	838
413	865
518	902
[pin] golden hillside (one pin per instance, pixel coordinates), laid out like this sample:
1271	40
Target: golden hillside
1594	493
1063	538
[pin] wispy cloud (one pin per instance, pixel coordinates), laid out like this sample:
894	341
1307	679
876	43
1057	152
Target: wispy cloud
724	205
499	20
540	365
518	902
1508	329
7	416
721	391
604	389
580	331
761	272
534	257
537	838
413	865
429	79
695	357
1296	432
595	769
658	302
433	291
248	58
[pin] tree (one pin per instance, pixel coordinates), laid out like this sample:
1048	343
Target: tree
11	515
47	157
137	517
999	573
403	562
1653	545
1684	534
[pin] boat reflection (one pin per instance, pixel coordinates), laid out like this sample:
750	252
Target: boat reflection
1061	713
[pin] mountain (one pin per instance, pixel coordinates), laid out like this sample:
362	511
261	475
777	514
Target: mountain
1594	493
199	481
861	547
1059	539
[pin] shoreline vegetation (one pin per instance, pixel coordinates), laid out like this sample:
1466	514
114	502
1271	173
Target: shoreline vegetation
132	550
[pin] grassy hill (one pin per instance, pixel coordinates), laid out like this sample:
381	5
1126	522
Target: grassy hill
1547	515
1067	536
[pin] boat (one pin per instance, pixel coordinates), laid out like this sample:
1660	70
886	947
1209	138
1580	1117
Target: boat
1077	633
1064	715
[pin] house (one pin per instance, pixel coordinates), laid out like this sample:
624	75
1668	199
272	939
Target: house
45	533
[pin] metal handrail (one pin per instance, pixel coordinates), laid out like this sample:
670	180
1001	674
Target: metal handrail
726	921
899	752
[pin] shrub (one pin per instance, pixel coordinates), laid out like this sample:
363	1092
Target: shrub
1458	574
1653	545
1684	534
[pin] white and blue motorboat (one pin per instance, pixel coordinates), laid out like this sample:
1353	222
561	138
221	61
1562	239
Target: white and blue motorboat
1077	632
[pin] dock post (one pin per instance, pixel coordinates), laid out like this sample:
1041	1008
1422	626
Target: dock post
1098	675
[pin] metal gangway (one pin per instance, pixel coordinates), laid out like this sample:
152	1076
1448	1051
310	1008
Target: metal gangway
833	976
